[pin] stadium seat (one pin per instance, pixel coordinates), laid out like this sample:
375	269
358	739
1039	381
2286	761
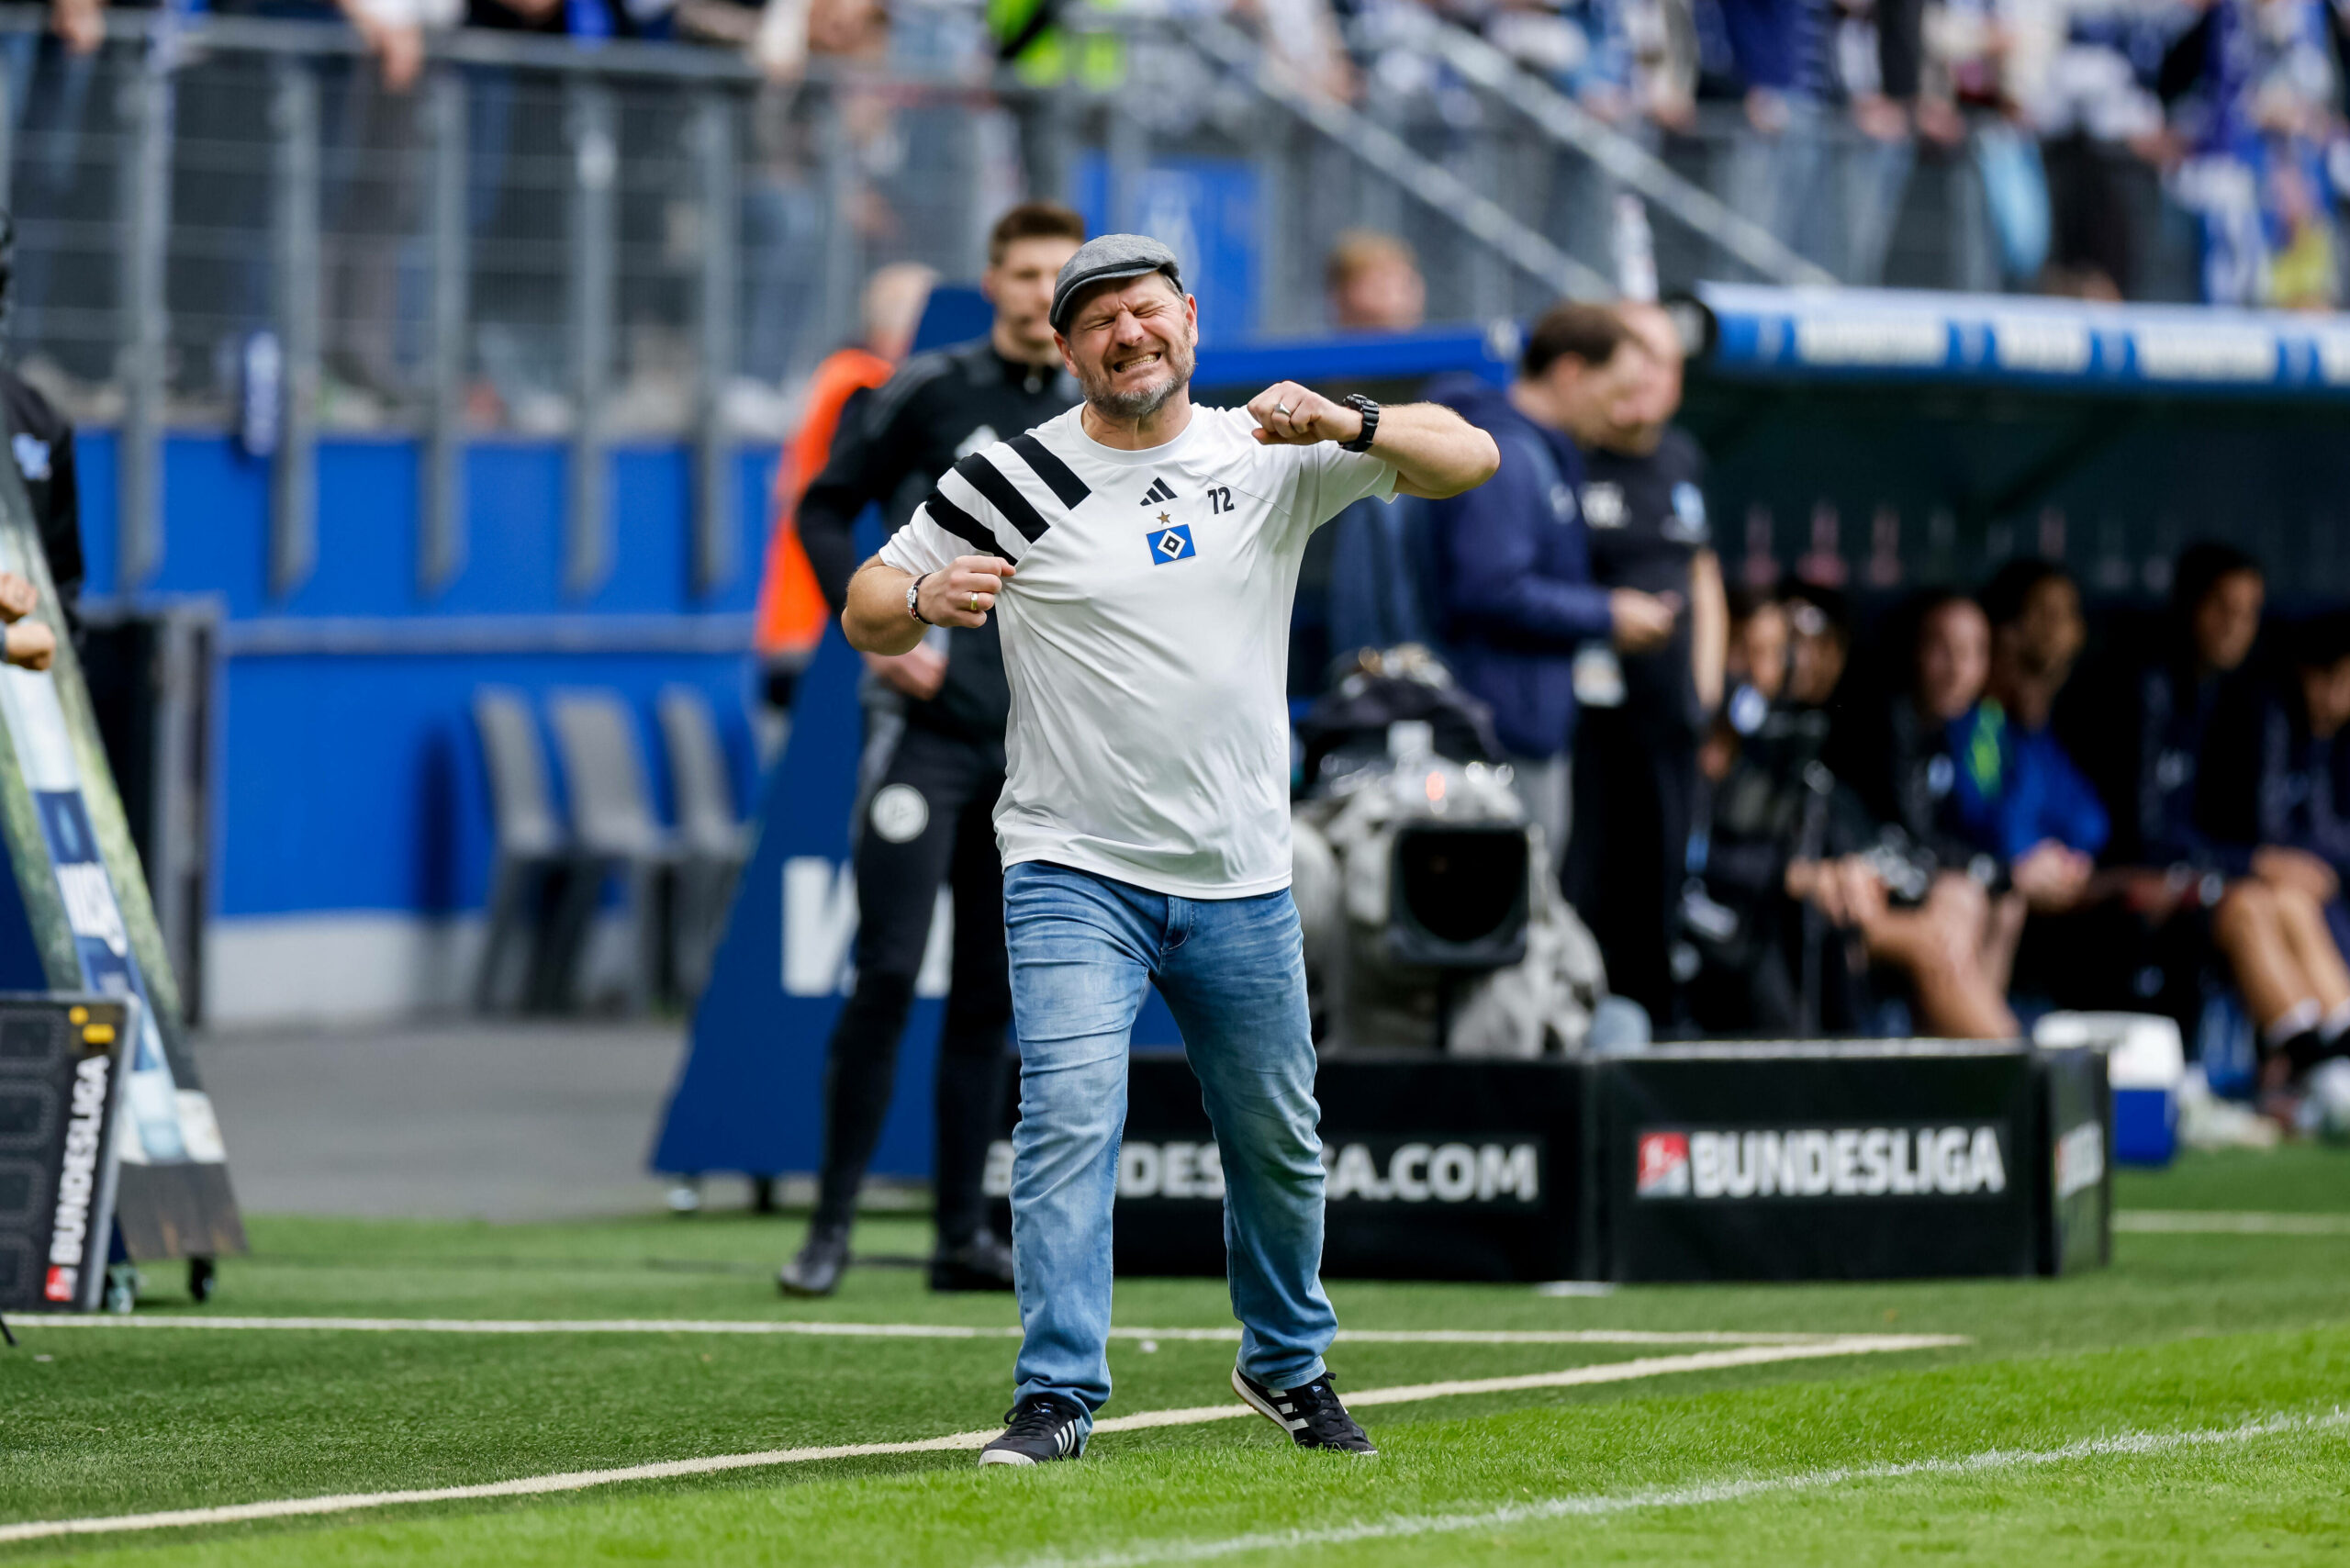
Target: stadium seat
533	855
616	831
713	842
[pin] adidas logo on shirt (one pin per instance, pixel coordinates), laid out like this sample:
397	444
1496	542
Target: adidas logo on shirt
1159	491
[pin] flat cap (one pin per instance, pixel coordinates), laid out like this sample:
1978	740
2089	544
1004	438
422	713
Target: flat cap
1104	259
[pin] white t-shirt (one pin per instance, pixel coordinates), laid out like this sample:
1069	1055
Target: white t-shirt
1146	635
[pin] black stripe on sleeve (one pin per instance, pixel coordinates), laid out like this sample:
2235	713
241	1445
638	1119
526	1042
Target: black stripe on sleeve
955	520
1050	469
1004	494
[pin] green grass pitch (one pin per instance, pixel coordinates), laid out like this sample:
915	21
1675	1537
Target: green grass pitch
2189	1405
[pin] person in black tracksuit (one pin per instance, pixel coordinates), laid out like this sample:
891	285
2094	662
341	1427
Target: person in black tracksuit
1636	764
932	769
1636	783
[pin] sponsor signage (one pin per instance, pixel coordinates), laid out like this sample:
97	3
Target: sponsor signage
1433	1170
1865	1160
1852	1160
1733	1164
62	1085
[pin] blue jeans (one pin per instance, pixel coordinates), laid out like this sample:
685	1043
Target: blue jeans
1232	972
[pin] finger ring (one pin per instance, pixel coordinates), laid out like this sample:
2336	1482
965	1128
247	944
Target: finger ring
1280	407
975	604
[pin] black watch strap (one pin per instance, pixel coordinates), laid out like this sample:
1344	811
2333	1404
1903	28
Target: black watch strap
1370	412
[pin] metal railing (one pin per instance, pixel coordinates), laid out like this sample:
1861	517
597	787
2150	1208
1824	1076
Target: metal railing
1618	158
227	223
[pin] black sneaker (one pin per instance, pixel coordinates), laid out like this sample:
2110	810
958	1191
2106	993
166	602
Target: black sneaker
1309	1413
817	1270
1040	1429
982	1263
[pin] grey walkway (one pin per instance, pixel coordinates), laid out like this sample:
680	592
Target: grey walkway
503	1121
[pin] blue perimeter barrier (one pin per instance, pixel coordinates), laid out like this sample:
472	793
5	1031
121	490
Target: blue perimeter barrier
1876	334
349	779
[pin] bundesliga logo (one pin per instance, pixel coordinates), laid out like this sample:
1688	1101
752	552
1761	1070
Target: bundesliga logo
1664	1166
1814	1162
76	1181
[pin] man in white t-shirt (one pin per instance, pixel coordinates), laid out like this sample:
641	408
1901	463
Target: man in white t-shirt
1142	554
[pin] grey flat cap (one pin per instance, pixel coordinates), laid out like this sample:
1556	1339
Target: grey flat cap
1104	259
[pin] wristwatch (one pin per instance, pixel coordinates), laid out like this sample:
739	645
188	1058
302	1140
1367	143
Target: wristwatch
913	600
1370	412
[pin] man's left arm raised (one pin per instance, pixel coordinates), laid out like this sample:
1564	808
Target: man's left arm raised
1435	451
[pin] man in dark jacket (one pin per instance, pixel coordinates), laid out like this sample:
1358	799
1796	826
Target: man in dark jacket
933	768
1514	596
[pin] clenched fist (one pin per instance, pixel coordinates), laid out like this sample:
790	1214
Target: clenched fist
964	593
1290	415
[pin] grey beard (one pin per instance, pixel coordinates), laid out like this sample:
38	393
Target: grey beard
1139	403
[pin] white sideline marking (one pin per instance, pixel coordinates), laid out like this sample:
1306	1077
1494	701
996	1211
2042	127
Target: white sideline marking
1605	1372
2224	1222
920	1330
580	1480
2127	1444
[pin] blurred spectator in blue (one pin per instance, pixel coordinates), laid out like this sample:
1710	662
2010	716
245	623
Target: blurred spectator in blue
2260	114
2016	793
1775	56
1582	46
1514	596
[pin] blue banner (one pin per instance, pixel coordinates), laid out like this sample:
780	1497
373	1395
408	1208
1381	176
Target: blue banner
1879	334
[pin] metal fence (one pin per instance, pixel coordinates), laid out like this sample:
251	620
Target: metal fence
228	223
